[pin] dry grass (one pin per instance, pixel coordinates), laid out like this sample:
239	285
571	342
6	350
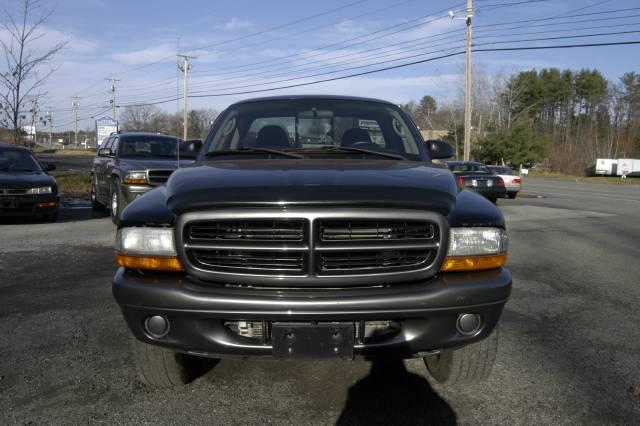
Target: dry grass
89	152
590	179
73	184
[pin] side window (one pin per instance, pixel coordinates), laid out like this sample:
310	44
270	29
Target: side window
114	145
108	143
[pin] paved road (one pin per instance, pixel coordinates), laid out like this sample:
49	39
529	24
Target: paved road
66	163
569	337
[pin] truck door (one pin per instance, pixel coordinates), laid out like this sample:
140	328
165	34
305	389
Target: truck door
110	163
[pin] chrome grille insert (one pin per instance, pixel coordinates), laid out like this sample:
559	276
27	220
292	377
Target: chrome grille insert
304	247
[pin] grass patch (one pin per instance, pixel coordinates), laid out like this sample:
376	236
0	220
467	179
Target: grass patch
73	184
88	152
584	179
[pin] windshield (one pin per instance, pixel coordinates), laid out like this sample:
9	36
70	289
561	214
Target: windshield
460	168
312	127
147	146
17	160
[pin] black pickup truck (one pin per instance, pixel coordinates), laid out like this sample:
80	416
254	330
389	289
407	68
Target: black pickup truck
313	227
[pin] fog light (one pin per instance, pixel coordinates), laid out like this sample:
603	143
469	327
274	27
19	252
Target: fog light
469	324
156	326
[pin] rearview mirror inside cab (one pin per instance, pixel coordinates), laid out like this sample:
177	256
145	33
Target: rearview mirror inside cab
190	148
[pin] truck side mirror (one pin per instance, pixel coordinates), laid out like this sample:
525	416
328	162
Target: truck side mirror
105	152
49	167
190	148
440	149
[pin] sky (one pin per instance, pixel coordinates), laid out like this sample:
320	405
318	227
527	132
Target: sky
251	45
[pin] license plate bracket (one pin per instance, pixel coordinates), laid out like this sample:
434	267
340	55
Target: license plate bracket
309	340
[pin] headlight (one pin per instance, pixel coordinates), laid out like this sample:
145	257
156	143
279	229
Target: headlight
135	178
472	249
147	248
40	190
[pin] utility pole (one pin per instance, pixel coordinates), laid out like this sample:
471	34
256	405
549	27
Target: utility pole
50	120
34	113
467	97
112	89
185	67
76	104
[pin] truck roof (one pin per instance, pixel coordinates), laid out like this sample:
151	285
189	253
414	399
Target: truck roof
312	97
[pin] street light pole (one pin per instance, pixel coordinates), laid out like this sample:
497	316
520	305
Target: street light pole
467	105
185	67
75	103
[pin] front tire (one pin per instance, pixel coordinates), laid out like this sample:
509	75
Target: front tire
467	365
159	367
115	203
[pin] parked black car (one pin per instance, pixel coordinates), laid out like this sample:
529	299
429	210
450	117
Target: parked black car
478	178
26	189
313	227
128	165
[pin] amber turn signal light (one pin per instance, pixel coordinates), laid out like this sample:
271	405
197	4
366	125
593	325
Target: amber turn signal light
473	263
149	263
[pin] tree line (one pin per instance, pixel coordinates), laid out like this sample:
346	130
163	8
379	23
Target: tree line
561	120
149	118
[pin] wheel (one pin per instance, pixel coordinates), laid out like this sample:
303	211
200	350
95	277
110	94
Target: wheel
469	364
115	204
512	195
159	367
163	368
95	204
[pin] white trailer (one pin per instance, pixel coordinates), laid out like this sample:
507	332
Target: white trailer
628	167
606	166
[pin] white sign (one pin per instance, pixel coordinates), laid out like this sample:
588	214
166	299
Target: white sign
104	127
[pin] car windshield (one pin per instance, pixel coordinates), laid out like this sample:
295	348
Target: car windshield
17	160
313	127
147	146
460	168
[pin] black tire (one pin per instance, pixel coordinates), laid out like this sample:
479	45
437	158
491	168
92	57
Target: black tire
467	365
159	367
512	195
115	197
95	204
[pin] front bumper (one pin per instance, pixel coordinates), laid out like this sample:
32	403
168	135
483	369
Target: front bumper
28	205
425	313
131	192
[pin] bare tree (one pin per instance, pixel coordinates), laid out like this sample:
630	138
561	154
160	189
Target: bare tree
23	78
140	117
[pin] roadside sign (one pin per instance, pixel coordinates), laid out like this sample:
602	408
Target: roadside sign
104	127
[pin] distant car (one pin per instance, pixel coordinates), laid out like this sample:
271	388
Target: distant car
512	182
128	165
477	177
26	189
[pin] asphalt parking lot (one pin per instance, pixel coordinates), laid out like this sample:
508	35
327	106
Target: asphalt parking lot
569	350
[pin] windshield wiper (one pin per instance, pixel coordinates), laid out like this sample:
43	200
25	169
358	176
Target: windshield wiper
365	151
252	151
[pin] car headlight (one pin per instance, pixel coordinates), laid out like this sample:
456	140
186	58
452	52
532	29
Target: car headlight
40	190
473	249
147	248
135	178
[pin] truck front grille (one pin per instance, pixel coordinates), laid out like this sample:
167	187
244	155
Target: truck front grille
374	261
248	260
311	248
357	230
158	177
254	230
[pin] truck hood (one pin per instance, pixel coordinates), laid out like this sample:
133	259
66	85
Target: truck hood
144	164
23	180
285	182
